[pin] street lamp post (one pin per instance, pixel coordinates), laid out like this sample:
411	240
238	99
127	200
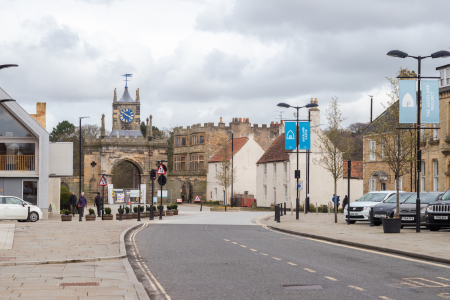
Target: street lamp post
232	170
401	54
79	194
297	172
371	108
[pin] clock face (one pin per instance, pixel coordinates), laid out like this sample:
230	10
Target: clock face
126	115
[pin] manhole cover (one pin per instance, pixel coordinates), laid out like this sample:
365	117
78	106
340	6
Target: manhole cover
302	287
79	284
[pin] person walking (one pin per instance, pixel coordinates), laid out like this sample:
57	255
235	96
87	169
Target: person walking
345	202
73	203
336	198
82	202
99	203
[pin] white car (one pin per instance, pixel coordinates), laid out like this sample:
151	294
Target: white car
360	209
13	208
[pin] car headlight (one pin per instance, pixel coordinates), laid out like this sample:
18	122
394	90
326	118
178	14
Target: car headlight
367	208
423	210
429	208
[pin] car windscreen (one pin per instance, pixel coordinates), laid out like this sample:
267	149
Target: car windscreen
424	198
372	197
446	196
402	197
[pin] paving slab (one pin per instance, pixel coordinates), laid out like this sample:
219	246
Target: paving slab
425	245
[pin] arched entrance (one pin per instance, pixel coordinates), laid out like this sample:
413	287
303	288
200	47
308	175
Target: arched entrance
186	192
126	174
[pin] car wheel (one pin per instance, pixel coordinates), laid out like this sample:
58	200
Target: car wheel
352	222
434	228
377	223
34	217
21	220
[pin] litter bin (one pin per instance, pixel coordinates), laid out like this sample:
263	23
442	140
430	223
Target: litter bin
325	209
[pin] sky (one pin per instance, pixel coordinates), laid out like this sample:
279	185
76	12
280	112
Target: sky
195	61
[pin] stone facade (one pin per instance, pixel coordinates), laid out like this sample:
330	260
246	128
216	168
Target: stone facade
195	145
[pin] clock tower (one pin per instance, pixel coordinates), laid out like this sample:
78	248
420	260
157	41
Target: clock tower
126	115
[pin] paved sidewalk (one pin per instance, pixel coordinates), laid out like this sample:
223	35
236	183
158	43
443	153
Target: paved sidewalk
425	245
6	236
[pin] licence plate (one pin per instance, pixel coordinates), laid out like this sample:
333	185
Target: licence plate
407	218
354	214
379	216
441	217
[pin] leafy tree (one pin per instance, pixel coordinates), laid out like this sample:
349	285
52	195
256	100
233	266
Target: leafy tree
335	145
64	195
62	131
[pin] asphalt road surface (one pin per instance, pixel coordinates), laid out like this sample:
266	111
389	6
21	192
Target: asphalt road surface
216	256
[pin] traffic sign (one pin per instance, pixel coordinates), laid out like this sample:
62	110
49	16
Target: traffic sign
161	170
162	180
197	199
179	200
300	185
103	181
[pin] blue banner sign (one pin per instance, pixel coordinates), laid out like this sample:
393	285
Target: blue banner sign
304	132
430	101
290	137
407	103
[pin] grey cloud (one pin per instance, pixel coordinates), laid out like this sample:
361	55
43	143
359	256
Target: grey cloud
222	67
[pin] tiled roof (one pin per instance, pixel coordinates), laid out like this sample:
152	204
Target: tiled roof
357	169
126	96
238	144
275	152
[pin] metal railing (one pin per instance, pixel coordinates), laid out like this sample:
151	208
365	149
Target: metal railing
18	163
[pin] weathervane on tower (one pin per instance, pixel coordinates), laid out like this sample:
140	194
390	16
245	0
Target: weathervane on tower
126	79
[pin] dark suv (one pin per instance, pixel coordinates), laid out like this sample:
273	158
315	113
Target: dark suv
408	208
437	214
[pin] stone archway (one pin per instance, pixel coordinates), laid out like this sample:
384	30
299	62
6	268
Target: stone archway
126	174
187	192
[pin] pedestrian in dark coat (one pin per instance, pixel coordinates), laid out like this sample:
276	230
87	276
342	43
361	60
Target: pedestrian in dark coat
345	202
82	202
99	203
73	202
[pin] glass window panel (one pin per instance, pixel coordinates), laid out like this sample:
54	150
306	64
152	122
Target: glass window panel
10	127
30	191
13	201
17	148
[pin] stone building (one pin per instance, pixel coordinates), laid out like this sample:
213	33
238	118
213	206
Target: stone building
435	174
195	145
125	144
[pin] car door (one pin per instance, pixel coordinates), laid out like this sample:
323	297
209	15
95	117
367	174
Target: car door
2	208
14	209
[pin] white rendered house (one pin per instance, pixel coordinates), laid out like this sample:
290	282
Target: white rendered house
245	155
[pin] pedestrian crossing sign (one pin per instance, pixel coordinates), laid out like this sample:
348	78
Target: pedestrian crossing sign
161	170
197	199
103	181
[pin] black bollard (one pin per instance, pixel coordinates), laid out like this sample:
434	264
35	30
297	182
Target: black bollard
201	205
285	208
120	213
28	218
281	209
371	217
152	213
276	213
139	213
277	208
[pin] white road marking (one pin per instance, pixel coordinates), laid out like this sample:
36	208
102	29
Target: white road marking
226	240
276	258
385	298
234	243
263	254
243	246
253	250
331	278
309	270
357	288
292	264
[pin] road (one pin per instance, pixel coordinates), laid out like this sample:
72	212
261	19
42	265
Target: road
229	256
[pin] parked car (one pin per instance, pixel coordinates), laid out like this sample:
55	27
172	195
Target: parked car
408	208
437	214
388	208
13	208
359	209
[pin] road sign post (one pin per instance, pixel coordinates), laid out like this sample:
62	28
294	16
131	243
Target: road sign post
103	183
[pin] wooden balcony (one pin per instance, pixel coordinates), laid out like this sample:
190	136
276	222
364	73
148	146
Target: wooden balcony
19	163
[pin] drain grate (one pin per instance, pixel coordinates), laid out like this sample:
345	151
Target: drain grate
79	284
302	287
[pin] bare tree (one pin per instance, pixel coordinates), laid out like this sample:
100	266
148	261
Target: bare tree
396	146
335	145
225	176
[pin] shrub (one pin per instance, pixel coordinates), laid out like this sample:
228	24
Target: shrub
312	208
107	210
127	209
65	212
147	208
141	208
64	196
135	209
91	211
159	207
169	207
175	206
340	210
120	210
